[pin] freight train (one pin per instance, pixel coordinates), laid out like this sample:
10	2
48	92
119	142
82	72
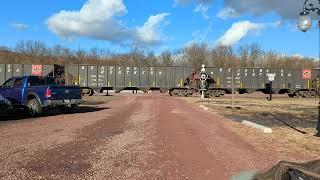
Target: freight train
177	80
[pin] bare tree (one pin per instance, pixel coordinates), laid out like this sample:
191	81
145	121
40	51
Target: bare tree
244	56
197	54
223	56
166	58
256	56
179	58
151	59
136	56
28	52
272	60
33	48
5	48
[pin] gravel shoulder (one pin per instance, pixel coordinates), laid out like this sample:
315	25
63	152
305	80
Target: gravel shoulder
43	147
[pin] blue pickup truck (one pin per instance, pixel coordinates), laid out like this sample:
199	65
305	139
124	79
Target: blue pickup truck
35	93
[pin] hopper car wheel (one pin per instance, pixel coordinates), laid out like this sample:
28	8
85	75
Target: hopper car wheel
217	93
181	92
191	92
307	93
174	93
292	95
91	92
84	91
87	92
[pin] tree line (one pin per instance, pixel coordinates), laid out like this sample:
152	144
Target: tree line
194	55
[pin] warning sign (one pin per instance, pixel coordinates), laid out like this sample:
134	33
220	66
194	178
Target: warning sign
306	74
36	70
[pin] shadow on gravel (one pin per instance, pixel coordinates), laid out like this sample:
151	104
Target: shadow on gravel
52	112
92	103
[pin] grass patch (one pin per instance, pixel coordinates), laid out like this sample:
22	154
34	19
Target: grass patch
300	113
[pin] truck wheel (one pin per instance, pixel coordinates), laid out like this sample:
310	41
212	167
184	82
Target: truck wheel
34	108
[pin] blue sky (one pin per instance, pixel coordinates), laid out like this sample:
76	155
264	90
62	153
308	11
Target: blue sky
158	25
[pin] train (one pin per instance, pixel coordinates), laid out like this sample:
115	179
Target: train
177	80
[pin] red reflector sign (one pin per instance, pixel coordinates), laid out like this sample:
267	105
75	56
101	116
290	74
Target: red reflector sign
36	70
306	74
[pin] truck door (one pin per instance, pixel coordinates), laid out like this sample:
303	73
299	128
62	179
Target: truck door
16	91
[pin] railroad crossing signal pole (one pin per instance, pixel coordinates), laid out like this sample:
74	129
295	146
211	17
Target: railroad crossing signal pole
271	79
304	24
203	78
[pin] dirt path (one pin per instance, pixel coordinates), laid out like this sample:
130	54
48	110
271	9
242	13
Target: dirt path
202	145
141	137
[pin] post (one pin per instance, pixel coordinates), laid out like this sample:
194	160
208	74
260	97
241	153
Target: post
318	124
271	77
270	91
233	88
203	78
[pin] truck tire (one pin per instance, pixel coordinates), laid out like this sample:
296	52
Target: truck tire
34	107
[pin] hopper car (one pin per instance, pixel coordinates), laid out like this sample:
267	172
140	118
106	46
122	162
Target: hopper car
177	80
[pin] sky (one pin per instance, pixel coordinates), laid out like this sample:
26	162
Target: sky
120	25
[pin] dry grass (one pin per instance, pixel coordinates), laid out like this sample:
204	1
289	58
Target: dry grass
301	113
299	107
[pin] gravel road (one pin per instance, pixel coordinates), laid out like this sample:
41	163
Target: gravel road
131	137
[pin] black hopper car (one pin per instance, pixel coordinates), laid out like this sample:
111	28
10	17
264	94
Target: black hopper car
177	80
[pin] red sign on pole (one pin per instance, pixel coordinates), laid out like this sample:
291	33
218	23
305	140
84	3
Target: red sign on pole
36	70
306	74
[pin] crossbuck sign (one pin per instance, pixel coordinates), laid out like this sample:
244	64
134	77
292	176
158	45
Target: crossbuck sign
271	76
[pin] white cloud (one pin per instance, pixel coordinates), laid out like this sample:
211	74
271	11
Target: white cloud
150	32
287	9
227	13
98	19
241	29
202	6
201	35
238	31
203	9
20	26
